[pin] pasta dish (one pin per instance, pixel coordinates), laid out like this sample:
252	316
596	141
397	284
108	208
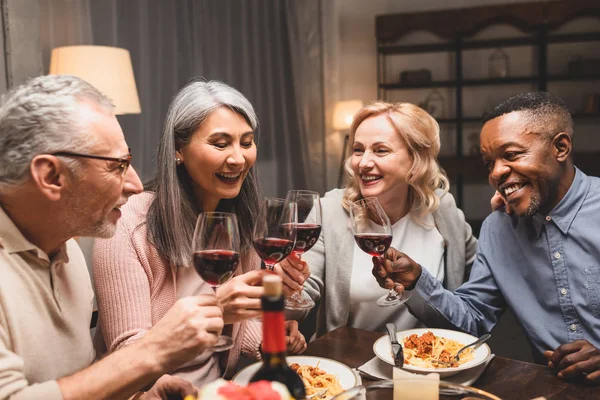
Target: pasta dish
427	350
315	380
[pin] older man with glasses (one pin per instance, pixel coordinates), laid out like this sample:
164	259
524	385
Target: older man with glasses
65	172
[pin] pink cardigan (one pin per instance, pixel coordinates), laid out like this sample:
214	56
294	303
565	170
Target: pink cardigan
135	287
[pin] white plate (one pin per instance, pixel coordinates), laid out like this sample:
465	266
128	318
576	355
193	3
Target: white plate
383	350
344	373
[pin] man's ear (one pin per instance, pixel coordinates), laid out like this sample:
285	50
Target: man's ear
48	174
562	146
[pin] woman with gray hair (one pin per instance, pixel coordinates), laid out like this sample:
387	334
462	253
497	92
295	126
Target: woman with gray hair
205	163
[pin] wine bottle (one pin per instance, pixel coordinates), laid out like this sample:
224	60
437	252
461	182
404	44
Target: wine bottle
274	366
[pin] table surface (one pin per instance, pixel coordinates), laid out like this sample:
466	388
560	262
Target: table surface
506	378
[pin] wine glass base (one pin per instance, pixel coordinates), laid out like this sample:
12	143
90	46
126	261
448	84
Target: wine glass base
389	301
299	301
224	343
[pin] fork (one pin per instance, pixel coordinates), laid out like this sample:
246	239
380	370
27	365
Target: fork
476	343
318	394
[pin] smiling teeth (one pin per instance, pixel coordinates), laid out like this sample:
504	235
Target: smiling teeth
230	176
370	178
511	189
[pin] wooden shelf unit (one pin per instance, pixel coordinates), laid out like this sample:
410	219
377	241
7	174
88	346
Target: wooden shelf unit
537	21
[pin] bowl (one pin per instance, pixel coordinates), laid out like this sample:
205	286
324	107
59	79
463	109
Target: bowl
414	389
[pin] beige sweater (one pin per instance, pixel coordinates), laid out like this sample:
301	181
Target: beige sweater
45	311
135	287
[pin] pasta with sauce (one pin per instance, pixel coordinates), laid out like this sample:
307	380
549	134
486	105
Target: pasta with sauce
315	380
424	351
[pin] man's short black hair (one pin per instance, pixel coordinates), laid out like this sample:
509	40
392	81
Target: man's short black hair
547	111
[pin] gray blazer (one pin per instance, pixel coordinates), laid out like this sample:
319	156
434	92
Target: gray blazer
330	260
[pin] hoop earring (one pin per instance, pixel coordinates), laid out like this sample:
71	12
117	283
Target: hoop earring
178	161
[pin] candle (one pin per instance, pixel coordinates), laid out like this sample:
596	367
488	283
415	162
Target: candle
416	387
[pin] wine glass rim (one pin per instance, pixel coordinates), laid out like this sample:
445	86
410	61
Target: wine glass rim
366	200
303	191
218	214
276	199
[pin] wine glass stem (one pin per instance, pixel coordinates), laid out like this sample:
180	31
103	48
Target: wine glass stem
392	294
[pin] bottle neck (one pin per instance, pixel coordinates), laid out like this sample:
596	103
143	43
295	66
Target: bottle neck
273	328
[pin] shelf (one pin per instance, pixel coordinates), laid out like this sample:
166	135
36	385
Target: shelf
432	84
585	116
390	49
472	169
510	80
467	82
574	37
577	116
573	78
455	120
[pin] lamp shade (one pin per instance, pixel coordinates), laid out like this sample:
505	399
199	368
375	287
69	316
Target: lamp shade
108	69
343	113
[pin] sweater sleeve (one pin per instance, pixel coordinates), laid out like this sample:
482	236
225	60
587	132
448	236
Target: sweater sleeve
122	289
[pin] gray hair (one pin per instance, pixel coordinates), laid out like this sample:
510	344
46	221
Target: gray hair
173	212
41	117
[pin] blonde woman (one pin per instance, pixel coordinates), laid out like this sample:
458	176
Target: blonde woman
394	158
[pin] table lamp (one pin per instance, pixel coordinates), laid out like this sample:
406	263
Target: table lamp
108	69
343	115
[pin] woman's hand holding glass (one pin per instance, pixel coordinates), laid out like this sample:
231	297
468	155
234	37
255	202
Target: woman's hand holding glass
240	297
294	272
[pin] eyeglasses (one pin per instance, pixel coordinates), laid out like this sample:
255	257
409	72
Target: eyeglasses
124	163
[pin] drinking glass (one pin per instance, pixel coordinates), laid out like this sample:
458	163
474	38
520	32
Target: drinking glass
275	230
216	246
373	234
308	206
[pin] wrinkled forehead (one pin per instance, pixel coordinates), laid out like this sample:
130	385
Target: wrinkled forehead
513	127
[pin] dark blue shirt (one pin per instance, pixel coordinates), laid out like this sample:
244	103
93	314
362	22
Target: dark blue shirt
546	268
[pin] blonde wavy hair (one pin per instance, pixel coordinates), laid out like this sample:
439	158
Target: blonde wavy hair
421	133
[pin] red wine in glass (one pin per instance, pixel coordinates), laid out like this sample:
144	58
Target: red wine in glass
306	237
272	250
373	244
275	230
308	205
373	234
216	266
216	246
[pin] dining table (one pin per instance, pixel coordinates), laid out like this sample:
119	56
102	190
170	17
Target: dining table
506	378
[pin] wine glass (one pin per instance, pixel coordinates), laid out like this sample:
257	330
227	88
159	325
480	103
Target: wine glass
308	206
373	234
275	230
216	246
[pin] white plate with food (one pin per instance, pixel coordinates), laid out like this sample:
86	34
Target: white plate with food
334	372
422	351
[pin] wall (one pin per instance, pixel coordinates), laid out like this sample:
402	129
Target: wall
20	54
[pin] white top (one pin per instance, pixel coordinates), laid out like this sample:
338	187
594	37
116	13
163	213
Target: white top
424	244
205	367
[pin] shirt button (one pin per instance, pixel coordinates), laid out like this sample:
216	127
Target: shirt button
557	255
563	291
548	218
573	327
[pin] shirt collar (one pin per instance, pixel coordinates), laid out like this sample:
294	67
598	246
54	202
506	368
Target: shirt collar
567	208
13	241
